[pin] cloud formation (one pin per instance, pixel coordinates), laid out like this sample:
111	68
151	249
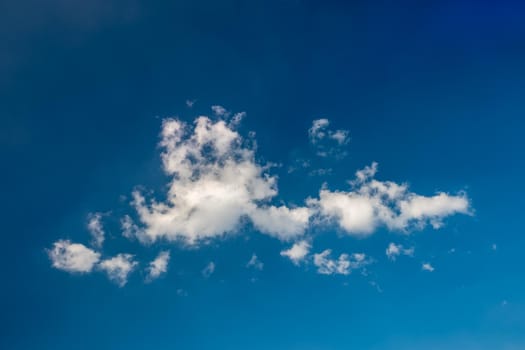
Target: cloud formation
217	187
73	257
372	203
77	258
215	182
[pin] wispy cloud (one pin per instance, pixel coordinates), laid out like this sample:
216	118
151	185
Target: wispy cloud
96	229
255	263
328	142
208	270
342	265
394	250
190	103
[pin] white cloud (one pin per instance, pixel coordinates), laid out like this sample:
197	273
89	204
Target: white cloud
118	268
215	183
343	265
281	222
427	267
494	246
255	263
208	270
327	142
96	229
158	266
372	203
73	257
394	250
297	252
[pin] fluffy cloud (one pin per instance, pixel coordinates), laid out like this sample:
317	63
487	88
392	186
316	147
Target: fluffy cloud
327	142
342	265
73	257
255	263
281	222
215	183
297	252
427	267
372	203
208	270
394	250
158	266
118	268
96	229
216	187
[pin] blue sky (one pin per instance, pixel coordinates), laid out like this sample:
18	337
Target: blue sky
314	175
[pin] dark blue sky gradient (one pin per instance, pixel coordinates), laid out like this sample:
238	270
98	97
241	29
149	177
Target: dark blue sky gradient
431	91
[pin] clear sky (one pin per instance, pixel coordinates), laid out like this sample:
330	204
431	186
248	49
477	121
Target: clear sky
302	175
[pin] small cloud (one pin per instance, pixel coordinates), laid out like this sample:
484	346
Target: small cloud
158	266
190	103
394	250
504	303
220	111
299	164
343	265
255	263
494	246
452	250
118	268
208	270
427	267
297	252
96	229
376	286
327	142
73	257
